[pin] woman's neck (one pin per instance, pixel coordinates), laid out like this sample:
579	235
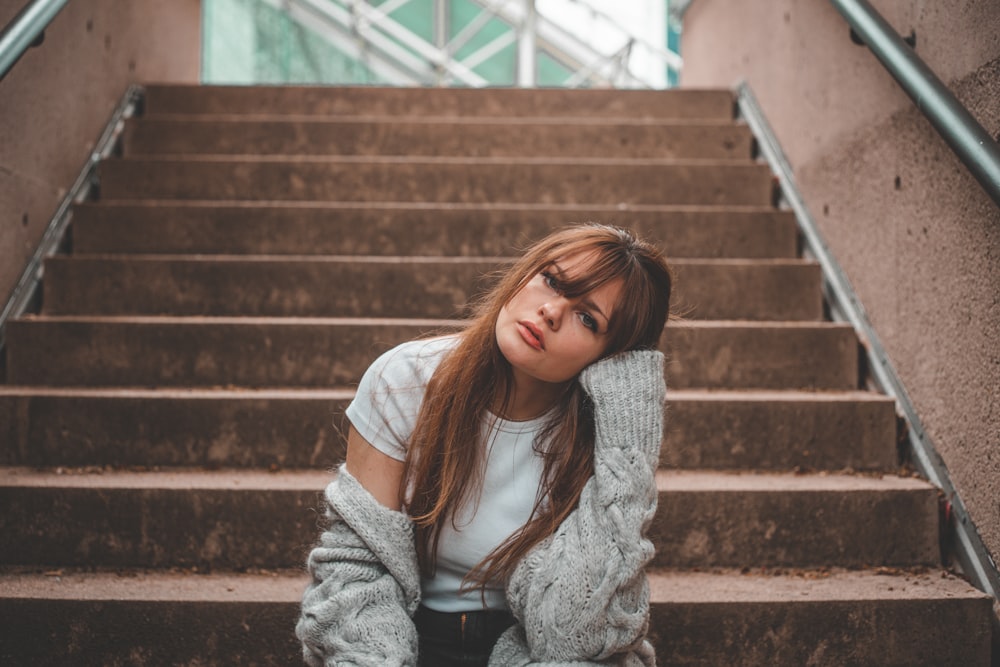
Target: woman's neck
529	398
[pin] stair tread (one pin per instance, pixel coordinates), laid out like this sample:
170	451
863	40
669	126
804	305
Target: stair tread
205	258
621	208
326	321
250	479
175	586
558	121
194	320
807	586
715	481
667	481
791	395
440	160
406	102
666	586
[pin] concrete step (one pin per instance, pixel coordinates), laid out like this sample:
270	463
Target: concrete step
237	519
352	286
78	427
406	102
329	352
153	428
469	137
469	180
725	519
180	518
892	618
322	228
868	617
155	619
779	430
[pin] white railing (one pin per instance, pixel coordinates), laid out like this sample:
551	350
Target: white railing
598	49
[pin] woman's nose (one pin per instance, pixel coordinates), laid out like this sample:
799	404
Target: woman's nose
552	311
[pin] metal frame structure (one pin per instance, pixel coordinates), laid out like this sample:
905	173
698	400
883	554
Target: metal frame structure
367	32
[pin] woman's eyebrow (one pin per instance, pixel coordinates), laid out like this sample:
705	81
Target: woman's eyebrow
586	301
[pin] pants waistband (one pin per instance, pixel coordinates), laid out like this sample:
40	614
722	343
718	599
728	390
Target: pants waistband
463	628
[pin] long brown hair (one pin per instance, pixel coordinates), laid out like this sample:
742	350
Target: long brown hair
444	458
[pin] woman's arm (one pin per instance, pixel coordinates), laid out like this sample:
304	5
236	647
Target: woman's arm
365	581
582	593
379	473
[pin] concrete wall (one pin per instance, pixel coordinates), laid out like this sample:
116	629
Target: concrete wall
57	99
917	236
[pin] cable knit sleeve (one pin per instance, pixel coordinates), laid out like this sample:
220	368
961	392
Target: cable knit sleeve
581	595
365	584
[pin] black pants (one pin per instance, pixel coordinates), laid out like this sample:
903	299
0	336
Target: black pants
459	639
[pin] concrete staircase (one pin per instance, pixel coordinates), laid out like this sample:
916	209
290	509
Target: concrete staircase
170	417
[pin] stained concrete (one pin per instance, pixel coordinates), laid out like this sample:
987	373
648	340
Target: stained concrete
153	351
343	286
917	236
57	99
492	229
295	428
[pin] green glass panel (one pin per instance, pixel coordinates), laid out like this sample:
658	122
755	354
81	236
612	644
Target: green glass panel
551	72
418	17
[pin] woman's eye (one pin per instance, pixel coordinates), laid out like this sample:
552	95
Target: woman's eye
550	281
588	321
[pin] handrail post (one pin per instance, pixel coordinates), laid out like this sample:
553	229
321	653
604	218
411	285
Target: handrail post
962	132
24	29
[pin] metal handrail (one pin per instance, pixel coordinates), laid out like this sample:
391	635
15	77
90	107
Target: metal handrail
26	30
25	293
974	146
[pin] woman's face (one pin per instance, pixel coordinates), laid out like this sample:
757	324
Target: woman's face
549	338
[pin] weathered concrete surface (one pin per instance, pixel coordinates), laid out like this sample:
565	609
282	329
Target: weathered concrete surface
232	520
213	428
327	228
699	618
294	428
469	137
216	520
139	618
765	355
59	96
708	519
344	286
917	236
481	180
375	101
327	352
891	618
779	430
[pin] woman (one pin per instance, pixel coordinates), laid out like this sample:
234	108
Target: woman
499	481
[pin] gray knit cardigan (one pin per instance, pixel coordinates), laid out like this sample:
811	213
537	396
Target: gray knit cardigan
580	596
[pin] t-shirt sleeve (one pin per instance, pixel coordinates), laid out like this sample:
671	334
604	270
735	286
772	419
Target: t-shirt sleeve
385	406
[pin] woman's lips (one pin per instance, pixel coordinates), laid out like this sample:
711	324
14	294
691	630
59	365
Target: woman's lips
531	334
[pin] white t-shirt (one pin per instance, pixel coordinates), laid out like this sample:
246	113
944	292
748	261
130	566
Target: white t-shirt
384	412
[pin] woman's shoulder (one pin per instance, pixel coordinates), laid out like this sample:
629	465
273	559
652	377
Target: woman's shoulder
412	362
